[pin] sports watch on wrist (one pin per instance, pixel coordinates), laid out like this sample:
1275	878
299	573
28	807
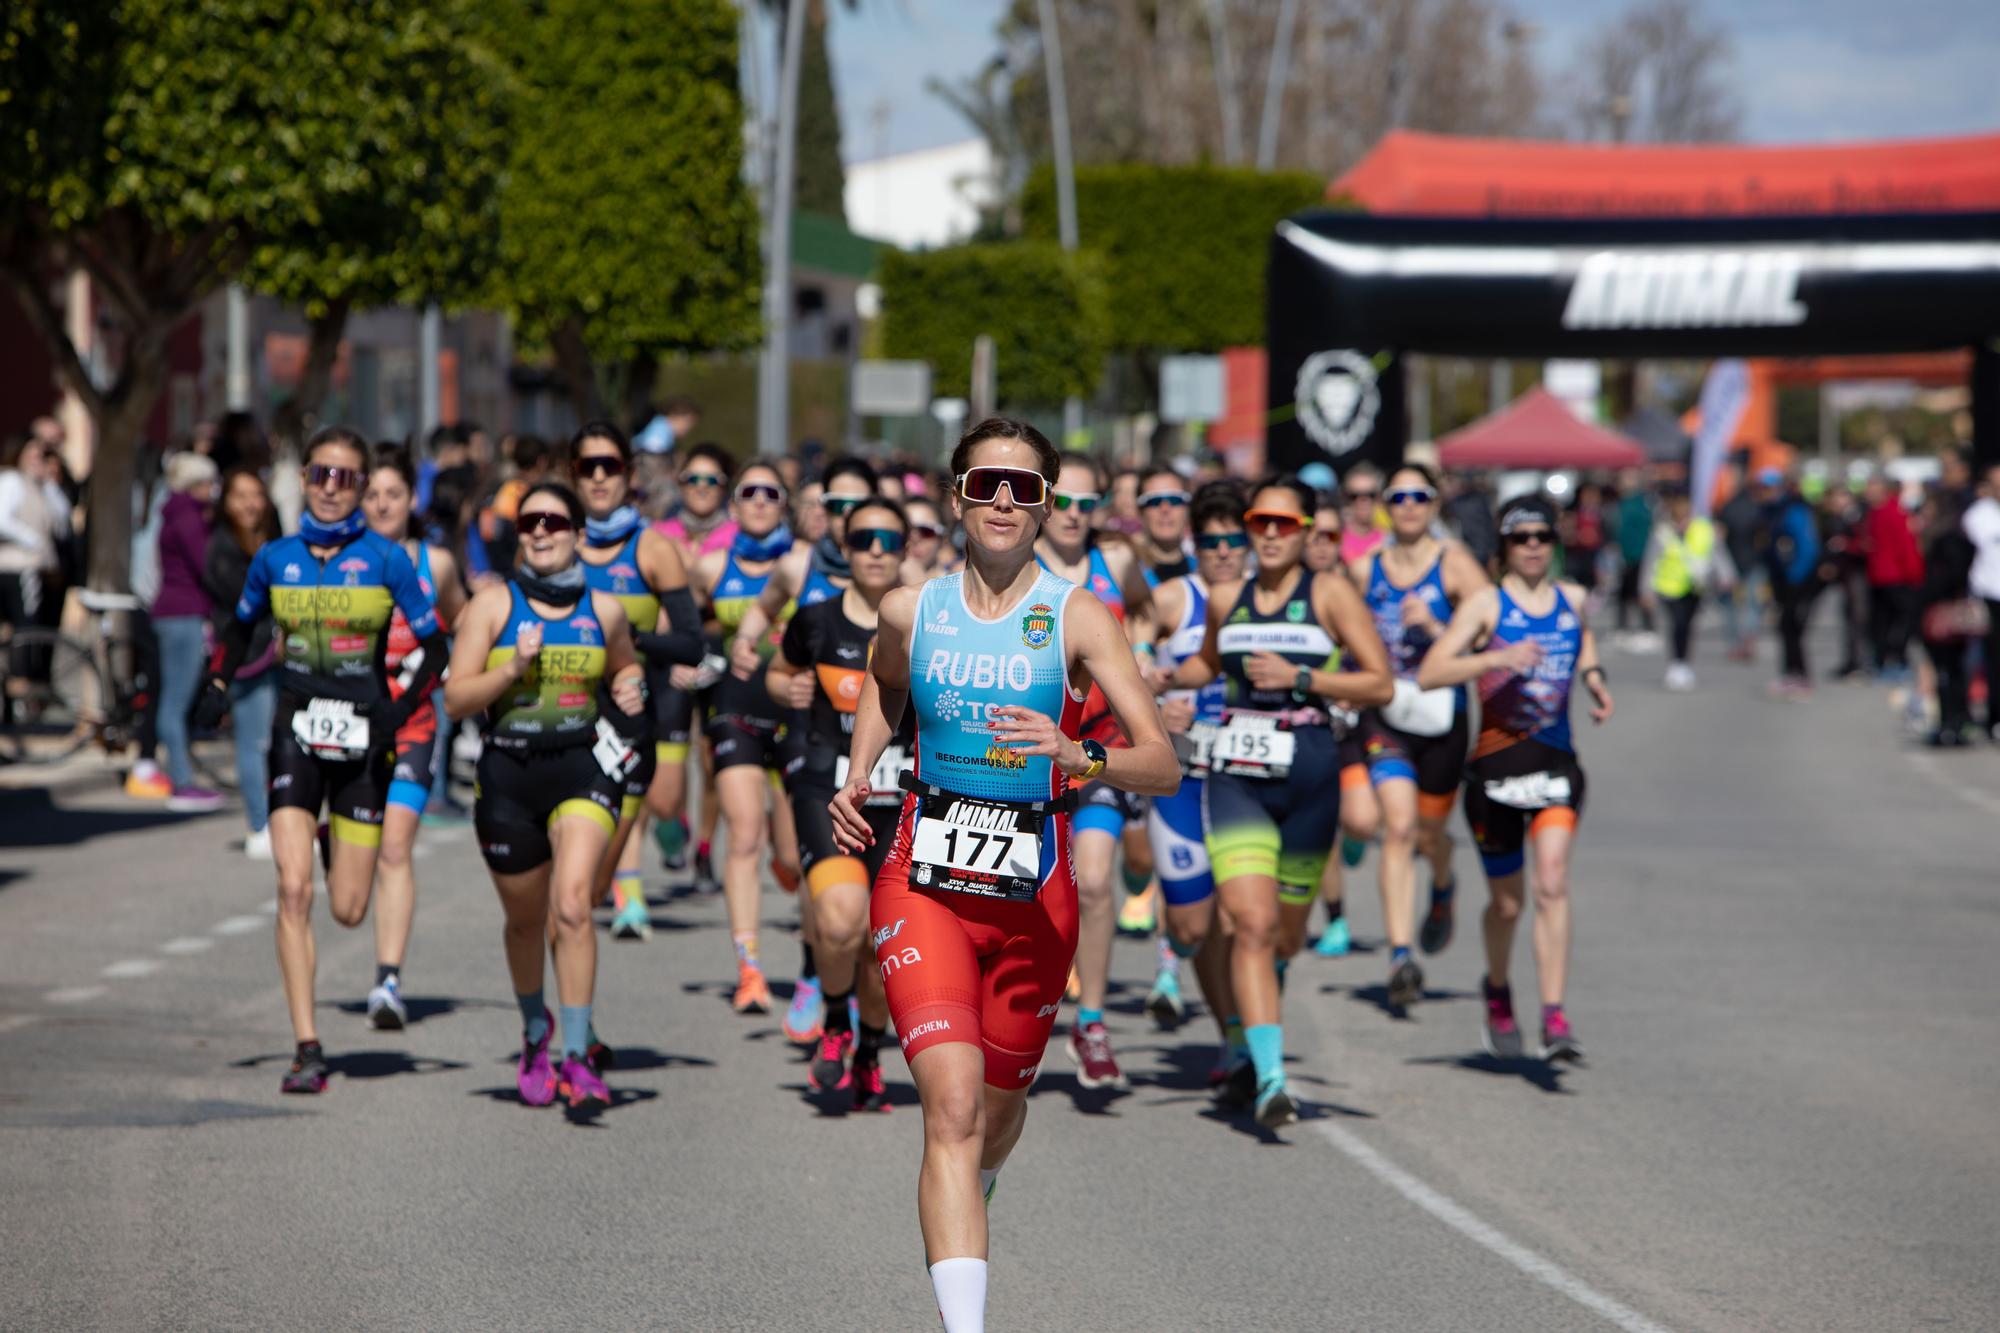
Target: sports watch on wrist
1303	682
1094	752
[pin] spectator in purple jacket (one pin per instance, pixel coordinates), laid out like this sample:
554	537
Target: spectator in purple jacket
180	618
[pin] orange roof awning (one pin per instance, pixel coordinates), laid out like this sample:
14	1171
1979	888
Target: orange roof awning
1441	175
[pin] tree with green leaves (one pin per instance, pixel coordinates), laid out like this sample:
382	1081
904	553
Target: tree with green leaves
1045	310
627	230
1184	247
822	180
431	230
159	145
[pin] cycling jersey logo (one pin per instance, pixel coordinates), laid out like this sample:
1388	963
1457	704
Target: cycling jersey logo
1241	615
621	570
847	653
922	873
1012	672
1046	1010
1514	617
291	573
1000	756
1295	612
1565	621
942	617
352	566
1337	398
1038	627
948	705
941	624
896	961
925	1029
887	933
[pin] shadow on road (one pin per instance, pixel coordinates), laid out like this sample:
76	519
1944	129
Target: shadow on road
1378	996
669	924
838	1103
620	1099
30	817
1540	1073
632	1059
422	1007
1090	1101
361	1064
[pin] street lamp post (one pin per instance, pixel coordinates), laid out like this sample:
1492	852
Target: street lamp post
773	384
1065	173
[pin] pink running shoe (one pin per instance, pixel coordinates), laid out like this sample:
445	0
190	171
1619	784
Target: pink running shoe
1502	1035
829	1063
1089	1049
536	1077
870	1094
579	1085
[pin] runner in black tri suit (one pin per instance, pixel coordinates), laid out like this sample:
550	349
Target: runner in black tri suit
822	666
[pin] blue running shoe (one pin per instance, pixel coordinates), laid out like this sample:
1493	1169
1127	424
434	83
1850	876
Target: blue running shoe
632	922
1333	942
1165	1003
806	1018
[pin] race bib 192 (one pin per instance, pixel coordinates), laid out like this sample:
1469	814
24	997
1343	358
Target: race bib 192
331	729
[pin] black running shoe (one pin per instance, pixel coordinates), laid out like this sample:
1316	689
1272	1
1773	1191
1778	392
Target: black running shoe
1406	984
869	1092
599	1056
1436	931
704	874
1559	1043
308	1072
1239	1087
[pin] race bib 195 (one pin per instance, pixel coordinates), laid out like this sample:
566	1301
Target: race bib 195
1252	745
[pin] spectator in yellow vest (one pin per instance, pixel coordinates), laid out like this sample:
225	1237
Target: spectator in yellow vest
1683	561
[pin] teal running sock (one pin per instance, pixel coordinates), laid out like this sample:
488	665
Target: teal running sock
1136	881
1351	851
1232	1036
534	1014
1085	1017
1335	911
1267	1051
575	1030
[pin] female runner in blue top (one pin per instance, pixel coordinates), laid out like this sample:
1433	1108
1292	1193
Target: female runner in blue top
974	915
1523	786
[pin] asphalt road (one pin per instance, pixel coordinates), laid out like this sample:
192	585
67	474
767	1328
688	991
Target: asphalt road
1785	976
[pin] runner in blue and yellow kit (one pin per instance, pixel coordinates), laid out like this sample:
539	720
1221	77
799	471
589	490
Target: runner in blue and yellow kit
744	721
1273	787
807	575
551	664
331	590
1524	788
642	568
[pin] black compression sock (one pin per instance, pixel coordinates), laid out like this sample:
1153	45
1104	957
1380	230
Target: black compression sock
836	1011
871	1040
806	968
384	971
1334	911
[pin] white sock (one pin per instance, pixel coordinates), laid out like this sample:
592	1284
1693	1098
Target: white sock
987	1175
960	1287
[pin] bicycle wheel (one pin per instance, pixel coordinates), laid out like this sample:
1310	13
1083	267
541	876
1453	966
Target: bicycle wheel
54	696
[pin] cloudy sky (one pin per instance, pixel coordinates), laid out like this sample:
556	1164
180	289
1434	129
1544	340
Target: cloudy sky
1807	70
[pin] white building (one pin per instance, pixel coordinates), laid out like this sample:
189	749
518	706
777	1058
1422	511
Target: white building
924	199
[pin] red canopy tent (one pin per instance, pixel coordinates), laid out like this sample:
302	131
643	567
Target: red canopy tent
1537	430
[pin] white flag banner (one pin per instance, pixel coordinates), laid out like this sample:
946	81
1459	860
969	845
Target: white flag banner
1724	396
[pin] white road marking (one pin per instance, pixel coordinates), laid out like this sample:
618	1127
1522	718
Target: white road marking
187	944
127	968
15	1022
73	994
239	925
1979	800
1467	1224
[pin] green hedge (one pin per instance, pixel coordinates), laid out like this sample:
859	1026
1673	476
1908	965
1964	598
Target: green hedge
1185	247
1045	310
